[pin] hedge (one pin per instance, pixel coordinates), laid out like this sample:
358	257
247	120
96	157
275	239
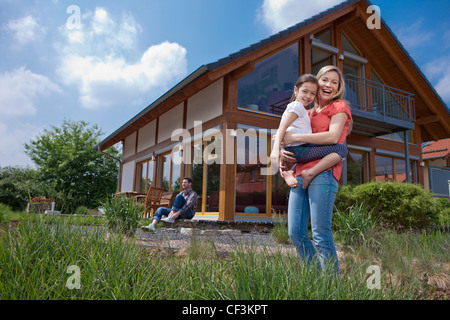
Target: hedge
400	205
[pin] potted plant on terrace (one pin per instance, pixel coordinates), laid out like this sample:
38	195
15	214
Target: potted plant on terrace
39	205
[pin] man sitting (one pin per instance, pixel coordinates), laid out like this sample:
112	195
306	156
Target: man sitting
183	206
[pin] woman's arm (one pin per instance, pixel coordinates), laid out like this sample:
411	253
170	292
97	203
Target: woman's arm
331	136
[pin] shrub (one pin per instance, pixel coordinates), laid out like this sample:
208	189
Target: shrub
345	198
443	212
17	185
82	210
4	210
122	214
395	204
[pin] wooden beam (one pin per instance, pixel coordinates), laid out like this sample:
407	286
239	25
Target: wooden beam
242	71
428	119
306	53
227	200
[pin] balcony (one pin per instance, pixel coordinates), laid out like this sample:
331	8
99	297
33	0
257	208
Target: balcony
378	109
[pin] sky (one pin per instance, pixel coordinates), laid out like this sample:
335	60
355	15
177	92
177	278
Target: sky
105	61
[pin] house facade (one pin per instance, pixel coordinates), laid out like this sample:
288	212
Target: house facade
216	125
436	164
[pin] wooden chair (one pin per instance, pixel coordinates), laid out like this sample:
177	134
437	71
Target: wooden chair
167	199
151	201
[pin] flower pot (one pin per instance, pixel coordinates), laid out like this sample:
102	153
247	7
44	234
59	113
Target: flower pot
38	207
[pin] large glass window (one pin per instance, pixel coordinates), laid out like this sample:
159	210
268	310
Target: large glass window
394	169
169	172
204	169
196	172
213	152
400	170
399	136
280	194
355	168
269	87
251	180
322	57
384	169
348	46
145	176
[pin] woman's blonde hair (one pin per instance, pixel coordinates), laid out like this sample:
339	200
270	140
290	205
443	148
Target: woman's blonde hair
340	94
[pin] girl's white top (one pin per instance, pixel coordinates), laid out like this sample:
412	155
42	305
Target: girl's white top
300	125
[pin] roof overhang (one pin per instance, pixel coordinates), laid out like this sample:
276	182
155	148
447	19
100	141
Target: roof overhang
116	136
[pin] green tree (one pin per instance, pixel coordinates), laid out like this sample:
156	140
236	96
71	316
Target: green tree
17	185
75	172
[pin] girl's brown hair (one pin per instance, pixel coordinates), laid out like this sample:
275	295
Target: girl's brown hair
301	80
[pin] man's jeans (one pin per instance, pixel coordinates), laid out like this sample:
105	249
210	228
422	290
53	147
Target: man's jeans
177	205
316	203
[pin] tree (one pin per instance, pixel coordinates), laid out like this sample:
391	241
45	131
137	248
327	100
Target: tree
77	174
17	185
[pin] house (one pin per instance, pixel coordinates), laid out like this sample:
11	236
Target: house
222	115
436	161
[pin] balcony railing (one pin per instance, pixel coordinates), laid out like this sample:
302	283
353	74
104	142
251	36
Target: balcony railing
377	98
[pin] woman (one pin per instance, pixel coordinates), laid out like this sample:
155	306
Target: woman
330	121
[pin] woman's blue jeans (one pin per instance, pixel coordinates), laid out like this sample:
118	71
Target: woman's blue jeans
178	203
315	203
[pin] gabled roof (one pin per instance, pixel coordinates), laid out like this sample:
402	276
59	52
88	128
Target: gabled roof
436	149
279	35
137	121
214	65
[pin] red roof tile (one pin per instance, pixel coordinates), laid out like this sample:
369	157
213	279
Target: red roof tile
437	149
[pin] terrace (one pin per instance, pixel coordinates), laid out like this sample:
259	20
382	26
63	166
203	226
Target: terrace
378	109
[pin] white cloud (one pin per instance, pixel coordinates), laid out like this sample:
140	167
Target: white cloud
20	90
438	71
25	29
95	60
281	14
414	35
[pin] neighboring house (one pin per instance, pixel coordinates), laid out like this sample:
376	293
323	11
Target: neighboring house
436	161
238	100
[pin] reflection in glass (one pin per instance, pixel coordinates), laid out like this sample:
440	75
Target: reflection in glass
384	169
270	85
213	174
145	172
355	168
251	185
400	170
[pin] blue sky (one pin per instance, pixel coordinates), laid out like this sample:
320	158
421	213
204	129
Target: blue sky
116	57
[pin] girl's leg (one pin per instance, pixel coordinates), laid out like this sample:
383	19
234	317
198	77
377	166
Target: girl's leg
322	193
298	218
309	152
288	175
329	155
325	163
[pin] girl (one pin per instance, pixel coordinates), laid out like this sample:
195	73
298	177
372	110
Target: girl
295	119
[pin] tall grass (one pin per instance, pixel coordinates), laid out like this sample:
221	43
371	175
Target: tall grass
353	225
34	261
122	214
